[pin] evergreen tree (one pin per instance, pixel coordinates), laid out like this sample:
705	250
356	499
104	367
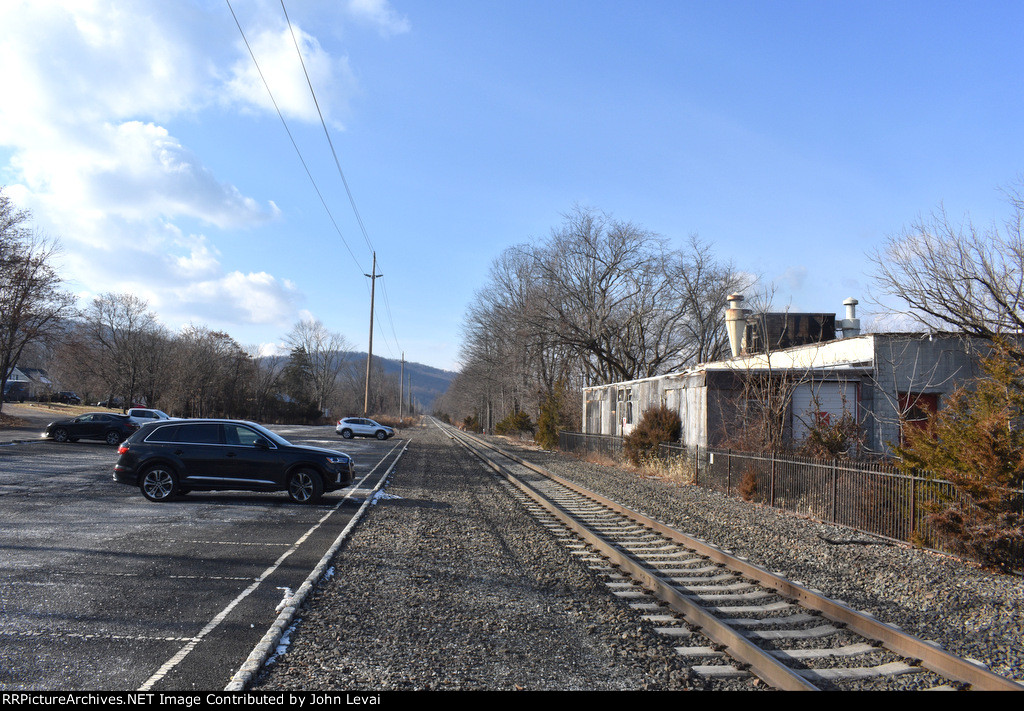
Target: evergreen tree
976	442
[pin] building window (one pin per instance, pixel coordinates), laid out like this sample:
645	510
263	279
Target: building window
916	409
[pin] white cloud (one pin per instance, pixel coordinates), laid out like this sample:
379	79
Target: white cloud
280	66
203	259
69	64
253	298
381	15
794	278
90	89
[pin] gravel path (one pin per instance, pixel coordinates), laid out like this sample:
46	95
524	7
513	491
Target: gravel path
454	586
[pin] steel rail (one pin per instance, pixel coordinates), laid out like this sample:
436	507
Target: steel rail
762	664
927	654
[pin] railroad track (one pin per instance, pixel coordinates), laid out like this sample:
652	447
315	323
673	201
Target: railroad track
728	616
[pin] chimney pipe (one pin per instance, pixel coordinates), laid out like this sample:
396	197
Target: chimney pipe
736	322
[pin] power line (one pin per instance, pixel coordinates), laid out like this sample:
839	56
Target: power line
291	137
337	163
351	199
305	166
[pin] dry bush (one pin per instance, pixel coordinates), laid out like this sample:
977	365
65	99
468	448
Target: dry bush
748	484
658	424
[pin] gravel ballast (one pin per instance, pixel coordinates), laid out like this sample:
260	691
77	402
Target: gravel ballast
454	586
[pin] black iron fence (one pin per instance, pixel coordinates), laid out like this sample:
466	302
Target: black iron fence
578	442
872	497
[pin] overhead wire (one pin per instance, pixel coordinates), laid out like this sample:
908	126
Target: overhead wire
284	123
309	174
341	172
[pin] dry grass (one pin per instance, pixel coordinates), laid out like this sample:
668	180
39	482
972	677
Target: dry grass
675	470
62	409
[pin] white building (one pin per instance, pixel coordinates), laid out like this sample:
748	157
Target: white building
887	381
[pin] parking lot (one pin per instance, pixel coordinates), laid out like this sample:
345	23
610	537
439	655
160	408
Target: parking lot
102	589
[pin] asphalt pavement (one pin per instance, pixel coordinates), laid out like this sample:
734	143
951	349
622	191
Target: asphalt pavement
29	421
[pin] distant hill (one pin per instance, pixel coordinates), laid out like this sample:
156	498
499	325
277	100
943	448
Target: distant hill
428	383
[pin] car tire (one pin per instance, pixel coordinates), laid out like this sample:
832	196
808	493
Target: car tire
382	435
113	438
158	483
346	434
305	486
60	435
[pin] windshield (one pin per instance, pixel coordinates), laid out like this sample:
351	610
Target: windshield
273	437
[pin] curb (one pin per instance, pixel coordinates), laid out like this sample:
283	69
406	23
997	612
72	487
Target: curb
266	646
11	442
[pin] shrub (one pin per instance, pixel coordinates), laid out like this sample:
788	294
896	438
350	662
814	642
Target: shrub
830	438
553	417
471	423
514	423
658	424
976	443
748	484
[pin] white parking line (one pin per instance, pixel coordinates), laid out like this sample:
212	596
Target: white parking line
171	663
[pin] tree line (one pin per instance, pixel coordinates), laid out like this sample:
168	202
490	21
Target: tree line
600	300
115	350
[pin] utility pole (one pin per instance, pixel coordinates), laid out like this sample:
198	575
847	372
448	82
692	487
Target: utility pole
369	355
401	394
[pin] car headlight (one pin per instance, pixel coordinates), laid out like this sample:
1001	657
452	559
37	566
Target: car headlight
338	460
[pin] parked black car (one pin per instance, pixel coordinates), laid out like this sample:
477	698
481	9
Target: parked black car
169	458
66	396
16	391
109	427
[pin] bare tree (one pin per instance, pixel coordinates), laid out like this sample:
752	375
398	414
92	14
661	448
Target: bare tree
326	355
124	329
599	300
32	303
956	276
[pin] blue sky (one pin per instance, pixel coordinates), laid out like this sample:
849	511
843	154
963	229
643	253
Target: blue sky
793	136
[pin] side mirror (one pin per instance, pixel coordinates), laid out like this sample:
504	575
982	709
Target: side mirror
261	444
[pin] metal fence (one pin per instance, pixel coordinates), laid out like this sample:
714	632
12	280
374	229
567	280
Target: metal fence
607	445
872	497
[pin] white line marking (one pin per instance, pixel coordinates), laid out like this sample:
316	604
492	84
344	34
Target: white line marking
222	615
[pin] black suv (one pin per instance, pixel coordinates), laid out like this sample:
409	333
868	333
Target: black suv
169	458
109	427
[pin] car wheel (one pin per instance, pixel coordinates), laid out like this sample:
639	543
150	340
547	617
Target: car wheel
113	438
60	435
305	487
158	483
382	435
347	434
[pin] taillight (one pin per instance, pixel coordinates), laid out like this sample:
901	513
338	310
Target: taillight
123	449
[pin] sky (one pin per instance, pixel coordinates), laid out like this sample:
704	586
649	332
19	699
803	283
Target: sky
794	137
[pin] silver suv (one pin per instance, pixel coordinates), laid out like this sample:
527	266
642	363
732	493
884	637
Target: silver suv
350	427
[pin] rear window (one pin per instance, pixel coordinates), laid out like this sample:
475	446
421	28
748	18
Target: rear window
164	434
207	433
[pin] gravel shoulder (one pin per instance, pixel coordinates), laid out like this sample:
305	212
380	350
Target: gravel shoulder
969	611
454	587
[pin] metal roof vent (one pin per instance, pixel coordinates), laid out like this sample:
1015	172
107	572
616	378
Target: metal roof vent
851	324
